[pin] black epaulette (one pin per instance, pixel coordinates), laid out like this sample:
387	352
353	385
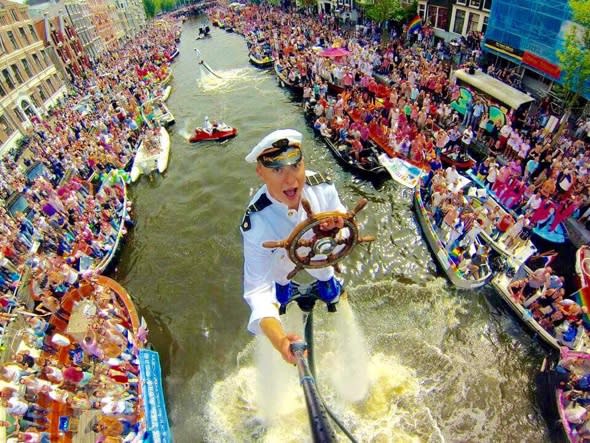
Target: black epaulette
317	179
262	202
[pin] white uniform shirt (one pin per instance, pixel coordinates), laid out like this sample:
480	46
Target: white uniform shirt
264	267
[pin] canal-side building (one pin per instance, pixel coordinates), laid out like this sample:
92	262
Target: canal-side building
132	15
29	81
79	15
103	24
529	45
58	33
453	18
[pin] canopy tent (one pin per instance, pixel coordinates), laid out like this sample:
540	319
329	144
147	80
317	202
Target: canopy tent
334	52
495	88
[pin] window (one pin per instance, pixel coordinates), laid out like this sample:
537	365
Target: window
2	46
45	59
19	78
459	21
19	114
438	16
49	85
32	32
473	23
484	25
2	90
27	68
8	79
422	10
461	2
14	15
6	127
36	61
28	108
42	93
23	35
475	3
12	39
487	5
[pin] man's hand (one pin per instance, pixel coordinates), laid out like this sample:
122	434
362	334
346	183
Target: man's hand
332	223
285	347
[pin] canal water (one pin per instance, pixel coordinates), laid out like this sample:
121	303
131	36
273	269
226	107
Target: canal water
409	358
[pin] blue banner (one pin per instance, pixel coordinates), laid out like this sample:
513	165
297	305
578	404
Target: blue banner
153	397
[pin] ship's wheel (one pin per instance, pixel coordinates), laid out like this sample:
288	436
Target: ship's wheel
321	248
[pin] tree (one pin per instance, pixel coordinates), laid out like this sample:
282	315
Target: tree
575	58
382	10
152	7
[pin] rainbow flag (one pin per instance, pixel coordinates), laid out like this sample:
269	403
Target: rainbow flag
415	25
582	297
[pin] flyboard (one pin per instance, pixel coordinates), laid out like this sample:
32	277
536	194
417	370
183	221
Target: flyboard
205	65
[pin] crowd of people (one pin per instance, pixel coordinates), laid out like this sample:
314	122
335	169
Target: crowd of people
63	211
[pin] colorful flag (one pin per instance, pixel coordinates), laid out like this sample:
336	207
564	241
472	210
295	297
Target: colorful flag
415	25
583	299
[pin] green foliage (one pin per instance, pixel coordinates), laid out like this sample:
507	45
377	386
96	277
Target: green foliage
308	3
575	55
273	2
151	7
383	10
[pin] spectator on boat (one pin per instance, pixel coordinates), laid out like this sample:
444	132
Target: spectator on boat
275	209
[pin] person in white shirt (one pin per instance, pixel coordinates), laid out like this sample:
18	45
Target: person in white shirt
273	213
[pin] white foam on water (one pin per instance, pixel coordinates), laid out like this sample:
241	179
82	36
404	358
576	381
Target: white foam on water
230	80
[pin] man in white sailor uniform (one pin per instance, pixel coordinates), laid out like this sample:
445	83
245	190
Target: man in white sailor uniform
272	214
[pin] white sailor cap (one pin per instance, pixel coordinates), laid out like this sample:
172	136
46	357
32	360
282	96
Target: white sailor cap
292	137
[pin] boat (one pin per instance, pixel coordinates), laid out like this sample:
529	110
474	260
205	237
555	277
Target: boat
115	179
261	61
218	133
165	93
557	339
583	265
542	230
152	154
455	159
175	54
370	169
483	196
401	171
78	309
284	82
454	271
204	32
157	111
563	405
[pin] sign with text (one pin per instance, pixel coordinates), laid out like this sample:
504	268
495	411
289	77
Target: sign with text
541	64
502	47
153	397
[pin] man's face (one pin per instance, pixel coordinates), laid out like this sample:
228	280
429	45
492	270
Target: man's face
284	184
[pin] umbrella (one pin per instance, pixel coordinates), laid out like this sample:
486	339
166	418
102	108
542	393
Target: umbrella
334	52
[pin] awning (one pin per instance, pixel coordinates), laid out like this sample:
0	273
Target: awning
495	88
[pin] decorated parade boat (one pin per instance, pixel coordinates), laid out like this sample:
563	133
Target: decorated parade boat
368	167
510	285
152	154
563	391
75	341
463	272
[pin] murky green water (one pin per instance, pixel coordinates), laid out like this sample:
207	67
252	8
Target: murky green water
439	365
